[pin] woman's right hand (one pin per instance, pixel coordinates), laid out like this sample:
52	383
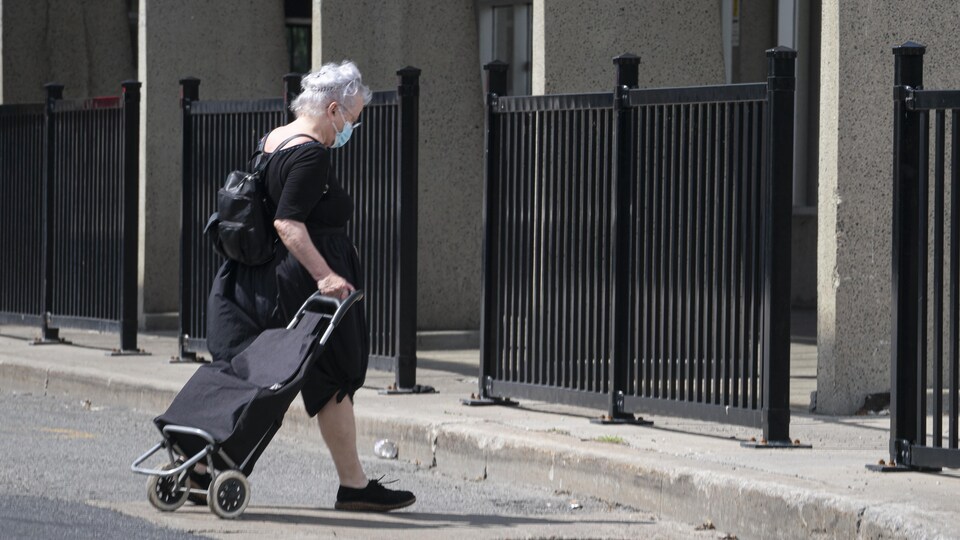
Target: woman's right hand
334	285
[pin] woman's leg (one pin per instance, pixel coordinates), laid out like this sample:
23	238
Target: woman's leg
339	430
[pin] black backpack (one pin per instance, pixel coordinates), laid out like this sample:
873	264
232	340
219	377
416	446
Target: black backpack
242	227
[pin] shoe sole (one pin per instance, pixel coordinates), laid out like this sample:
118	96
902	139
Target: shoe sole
372	507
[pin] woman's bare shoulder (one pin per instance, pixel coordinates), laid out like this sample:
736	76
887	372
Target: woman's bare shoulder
276	137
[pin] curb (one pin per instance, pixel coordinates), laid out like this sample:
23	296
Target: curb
759	509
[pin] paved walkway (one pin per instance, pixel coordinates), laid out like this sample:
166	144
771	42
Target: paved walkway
679	469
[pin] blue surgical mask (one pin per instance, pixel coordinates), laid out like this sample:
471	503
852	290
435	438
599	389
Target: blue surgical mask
343	136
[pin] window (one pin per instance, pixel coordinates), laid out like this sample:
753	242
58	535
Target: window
505	34
299	19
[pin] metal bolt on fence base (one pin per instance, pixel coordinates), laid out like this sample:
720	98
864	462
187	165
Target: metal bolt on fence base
479	401
188	358
779	445
621	419
884	467
128	352
415	389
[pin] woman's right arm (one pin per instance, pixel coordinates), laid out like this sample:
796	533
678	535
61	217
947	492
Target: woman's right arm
295	237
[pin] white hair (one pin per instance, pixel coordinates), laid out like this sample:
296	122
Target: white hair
331	83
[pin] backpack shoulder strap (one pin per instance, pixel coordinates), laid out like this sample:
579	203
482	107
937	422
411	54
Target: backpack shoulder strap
257	156
266	162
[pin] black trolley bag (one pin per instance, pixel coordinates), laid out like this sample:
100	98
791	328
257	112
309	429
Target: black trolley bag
227	413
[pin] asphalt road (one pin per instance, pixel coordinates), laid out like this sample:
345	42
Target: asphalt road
67	476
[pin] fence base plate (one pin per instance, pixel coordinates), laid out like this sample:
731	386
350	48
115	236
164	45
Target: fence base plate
188	358
55	341
622	419
392	390
775	445
483	402
128	352
899	468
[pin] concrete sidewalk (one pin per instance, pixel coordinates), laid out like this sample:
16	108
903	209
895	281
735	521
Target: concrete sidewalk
678	469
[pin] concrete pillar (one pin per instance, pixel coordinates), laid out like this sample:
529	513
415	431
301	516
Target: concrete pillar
86	46
679	43
238	50
854	199
439	37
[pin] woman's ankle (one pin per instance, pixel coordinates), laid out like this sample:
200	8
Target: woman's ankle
354	483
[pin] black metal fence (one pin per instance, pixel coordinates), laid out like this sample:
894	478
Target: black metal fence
919	438
378	168
70	206
637	248
21	213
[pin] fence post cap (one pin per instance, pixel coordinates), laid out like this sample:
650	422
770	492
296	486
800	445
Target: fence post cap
496	65
189	89
53	90
781	52
130	90
910	48
626	58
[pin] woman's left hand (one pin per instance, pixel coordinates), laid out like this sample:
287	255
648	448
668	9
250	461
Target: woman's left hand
334	285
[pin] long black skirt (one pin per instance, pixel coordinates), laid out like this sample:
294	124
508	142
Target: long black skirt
246	300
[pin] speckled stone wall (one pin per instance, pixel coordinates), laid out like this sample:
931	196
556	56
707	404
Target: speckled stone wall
679	43
440	38
856	162
238	51
86	46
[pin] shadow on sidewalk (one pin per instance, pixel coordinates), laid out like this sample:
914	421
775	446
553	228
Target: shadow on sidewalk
288	515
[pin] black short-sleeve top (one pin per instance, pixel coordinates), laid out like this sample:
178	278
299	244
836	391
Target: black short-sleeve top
302	185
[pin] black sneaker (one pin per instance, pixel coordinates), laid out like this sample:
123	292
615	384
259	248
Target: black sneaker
373	498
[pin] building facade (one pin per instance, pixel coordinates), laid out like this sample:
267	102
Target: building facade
241	49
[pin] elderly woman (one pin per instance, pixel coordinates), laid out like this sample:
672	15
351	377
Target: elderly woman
314	253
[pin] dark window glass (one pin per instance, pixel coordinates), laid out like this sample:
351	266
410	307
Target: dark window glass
505	35
298	45
299	15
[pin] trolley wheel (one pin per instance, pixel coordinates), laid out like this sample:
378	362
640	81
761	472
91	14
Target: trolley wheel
166	493
229	494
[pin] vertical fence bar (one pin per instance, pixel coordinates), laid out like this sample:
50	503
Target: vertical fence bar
54	92
131	203
189	92
686	281
647	350
908	74
699	256
496	87
923	186
938	280
627	66
405	285
729	157
954	388
781	84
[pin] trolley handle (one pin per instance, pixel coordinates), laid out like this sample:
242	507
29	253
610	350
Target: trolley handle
324	304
